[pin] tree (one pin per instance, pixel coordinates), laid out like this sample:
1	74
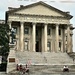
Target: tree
4	41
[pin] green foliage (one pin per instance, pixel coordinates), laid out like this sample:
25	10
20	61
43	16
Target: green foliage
4	39
3	67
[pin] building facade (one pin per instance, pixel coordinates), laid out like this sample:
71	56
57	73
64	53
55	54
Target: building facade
40	27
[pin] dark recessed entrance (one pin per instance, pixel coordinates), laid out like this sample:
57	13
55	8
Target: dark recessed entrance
37	46
38	37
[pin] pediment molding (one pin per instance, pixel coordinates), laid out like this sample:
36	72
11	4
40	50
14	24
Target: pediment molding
43	4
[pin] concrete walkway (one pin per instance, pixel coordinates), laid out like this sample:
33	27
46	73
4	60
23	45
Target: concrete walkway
39	73
3	73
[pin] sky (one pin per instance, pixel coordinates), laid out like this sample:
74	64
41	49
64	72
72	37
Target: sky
64	5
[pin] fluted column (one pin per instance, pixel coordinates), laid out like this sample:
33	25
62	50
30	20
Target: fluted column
34	36
57	38
68	39
45	37
64	40
71	42
22	36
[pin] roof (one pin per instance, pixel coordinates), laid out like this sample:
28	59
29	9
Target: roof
42	3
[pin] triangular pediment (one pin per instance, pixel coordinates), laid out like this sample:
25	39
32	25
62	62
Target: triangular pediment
40	8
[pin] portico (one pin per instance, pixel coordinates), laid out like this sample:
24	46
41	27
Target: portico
41	32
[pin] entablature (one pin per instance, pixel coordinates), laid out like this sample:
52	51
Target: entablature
39	19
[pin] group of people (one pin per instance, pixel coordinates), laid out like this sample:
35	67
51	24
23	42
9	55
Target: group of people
22	68
25	68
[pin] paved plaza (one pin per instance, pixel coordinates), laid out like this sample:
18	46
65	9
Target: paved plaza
40	73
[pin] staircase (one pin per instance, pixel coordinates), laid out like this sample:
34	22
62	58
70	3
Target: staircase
30	57
47	70
44	58
45	63
58	58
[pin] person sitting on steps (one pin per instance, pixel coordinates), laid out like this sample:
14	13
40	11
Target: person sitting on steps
25	69
65	69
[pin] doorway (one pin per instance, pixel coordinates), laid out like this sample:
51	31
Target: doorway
39	37
37	46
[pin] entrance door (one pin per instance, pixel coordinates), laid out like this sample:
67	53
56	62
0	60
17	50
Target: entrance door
37	46
38	37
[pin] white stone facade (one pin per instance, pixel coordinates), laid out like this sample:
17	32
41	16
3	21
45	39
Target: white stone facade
41	28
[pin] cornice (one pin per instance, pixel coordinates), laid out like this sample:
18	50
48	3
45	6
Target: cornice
42	3
22	15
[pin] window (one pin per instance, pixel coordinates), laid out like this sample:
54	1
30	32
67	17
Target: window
59	32
26	30
59	46
49	31
26	45
49	46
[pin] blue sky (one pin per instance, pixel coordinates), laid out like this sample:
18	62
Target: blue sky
64	5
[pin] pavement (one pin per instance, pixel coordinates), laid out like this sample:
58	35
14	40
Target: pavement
39	73
3	73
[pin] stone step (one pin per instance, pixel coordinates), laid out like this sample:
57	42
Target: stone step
38	73
44	58
46	70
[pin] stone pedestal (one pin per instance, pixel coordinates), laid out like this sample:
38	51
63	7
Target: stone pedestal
11	64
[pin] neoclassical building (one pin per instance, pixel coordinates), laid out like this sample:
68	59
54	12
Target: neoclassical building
40	27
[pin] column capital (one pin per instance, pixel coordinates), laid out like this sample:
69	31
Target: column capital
22	22
69	24
45	23
9	22
33	23
57	24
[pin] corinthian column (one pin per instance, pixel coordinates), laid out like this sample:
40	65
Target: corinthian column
45	37
34	35
57	38
68	39
22	36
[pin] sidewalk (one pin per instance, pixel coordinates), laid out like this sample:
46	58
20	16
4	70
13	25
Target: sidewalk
3	73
